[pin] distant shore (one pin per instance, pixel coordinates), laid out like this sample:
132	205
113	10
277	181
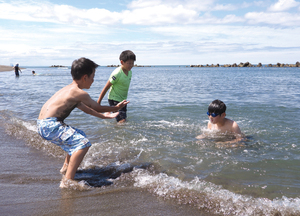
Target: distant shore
248	64
4	68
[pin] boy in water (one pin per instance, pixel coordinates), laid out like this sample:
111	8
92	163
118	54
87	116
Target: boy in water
217	121
118	83
51	124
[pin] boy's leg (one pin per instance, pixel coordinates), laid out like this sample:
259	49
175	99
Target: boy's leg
74	162
122	112
122	121
64	168
67	160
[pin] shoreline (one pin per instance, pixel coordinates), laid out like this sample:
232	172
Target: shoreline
5	68
30	186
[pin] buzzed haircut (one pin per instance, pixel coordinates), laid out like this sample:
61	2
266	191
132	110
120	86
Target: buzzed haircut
127	55
217	107
81	67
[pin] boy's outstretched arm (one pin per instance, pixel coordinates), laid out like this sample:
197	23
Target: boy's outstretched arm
88	101
103	92
92	112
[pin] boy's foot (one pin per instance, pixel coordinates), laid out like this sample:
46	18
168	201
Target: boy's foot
72	184
122	121
63	170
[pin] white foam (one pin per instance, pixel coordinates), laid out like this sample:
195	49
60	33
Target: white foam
213	197
162	124
27	125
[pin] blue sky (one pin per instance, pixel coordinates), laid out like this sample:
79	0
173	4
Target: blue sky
170	32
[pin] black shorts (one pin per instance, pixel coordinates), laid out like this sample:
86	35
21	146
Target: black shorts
122	112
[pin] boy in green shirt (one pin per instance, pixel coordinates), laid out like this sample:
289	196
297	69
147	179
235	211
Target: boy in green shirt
118	83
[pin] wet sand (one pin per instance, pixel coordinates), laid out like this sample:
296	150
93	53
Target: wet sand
29	185
5	68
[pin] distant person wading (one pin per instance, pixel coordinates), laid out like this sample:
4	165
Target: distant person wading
17	69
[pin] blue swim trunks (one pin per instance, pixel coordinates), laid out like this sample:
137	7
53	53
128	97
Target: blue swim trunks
68	138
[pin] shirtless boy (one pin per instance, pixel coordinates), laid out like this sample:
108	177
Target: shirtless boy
217	121
51	124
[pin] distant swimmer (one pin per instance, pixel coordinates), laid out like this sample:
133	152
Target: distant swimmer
17	69
217	121
33	72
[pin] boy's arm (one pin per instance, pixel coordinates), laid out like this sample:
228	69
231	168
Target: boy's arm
85	98
92	112
238	136
103	92
236	128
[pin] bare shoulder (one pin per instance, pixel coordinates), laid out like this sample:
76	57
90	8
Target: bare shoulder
229	122
72	92
234	126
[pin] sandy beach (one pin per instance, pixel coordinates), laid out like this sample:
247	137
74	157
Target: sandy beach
5	68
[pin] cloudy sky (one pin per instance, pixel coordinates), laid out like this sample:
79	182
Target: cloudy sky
159	32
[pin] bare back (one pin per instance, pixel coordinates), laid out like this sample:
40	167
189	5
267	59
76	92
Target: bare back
61	104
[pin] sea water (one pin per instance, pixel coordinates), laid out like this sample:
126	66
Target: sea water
156	149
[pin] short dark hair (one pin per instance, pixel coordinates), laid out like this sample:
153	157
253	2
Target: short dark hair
81	67
127	55
217	107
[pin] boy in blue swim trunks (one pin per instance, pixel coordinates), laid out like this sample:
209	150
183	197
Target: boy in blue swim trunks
118	83
51	124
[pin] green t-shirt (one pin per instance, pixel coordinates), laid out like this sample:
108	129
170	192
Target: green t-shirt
120	85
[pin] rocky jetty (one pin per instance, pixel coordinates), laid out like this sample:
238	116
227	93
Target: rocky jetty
58	66
248	64
133	66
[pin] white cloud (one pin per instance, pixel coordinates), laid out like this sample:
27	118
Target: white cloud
247	36
279	18
159	14
283	5
204	5
46	12
223	7
143	4
191	31
140	12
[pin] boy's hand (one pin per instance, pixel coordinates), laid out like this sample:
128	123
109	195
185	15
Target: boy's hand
108	115
122	104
